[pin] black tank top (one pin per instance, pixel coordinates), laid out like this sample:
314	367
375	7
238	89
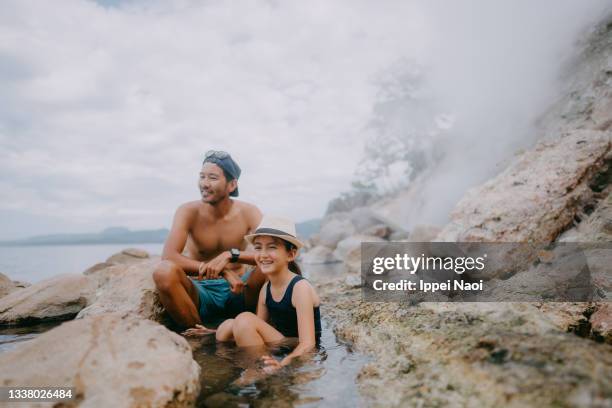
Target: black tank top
283	315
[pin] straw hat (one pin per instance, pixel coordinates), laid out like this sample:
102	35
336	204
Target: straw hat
279	227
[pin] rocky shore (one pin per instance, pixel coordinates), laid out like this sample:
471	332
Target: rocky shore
427	354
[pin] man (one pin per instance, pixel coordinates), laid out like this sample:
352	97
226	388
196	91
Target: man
213	282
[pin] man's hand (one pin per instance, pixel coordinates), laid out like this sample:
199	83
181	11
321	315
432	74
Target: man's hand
236	284
198	330
214	267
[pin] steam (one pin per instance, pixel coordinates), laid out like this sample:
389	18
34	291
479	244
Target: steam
455	117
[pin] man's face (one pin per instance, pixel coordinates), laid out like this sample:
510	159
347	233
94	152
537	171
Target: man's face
213	185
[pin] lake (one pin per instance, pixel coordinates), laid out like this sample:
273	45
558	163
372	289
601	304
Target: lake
35	263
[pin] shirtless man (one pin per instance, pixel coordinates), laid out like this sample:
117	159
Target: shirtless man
214	281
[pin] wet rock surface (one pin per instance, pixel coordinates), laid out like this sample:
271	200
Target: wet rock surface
483	354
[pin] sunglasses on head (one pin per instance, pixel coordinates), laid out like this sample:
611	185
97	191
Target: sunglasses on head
216	154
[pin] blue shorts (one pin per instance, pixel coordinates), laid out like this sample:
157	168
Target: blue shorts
217	302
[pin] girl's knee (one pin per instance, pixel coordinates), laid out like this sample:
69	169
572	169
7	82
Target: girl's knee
225	330
244	321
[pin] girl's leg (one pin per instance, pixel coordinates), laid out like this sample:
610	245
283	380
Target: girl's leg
250	330
225	331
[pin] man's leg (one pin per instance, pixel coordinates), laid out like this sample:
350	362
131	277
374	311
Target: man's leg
177	293
251	293
249	330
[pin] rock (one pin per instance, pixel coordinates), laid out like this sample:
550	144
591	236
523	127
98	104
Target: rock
596	227
6	285
97	267
601	323
128	256
536	197
126	289
20	284
334	231
318	255
349	251
353	280
399	236
380	230
424	233
57	298
469	354
111	361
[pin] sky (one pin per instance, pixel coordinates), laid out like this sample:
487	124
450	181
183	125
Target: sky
107	108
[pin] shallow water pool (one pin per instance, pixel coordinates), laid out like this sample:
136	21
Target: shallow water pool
232	377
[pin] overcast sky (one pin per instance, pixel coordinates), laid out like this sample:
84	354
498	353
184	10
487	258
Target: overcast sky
106	108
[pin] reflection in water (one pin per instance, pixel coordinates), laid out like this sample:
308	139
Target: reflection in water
10	337
232	376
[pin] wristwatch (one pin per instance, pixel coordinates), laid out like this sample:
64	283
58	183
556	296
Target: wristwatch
235	252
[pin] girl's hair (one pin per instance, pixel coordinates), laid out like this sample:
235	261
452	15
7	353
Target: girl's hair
293	266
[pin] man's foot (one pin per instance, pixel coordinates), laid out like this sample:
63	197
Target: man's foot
198	331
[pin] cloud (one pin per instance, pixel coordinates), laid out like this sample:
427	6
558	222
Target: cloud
107	108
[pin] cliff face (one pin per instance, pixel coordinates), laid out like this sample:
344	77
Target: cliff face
511	354
555	185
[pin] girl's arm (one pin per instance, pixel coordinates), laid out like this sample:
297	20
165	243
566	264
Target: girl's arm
302	301
262	310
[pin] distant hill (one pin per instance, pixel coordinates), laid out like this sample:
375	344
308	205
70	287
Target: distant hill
113	235
122	235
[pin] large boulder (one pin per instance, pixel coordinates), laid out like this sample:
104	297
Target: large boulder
111	361
57	298
537	196
128	256
126	289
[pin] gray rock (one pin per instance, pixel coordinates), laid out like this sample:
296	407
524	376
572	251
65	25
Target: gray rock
57	298
111	361
128	256
424	233
349	251
335	230
7	285
601	322
126	289
379	230
318	255
97	267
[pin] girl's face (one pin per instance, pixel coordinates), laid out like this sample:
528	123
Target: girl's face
271	255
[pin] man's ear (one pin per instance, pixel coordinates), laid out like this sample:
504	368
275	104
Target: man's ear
233	185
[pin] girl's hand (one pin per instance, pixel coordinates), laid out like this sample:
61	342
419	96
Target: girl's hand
236	284
271	365
198	330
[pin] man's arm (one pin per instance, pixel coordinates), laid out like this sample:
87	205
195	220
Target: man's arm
177	238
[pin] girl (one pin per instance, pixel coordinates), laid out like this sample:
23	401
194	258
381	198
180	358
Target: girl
288	305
